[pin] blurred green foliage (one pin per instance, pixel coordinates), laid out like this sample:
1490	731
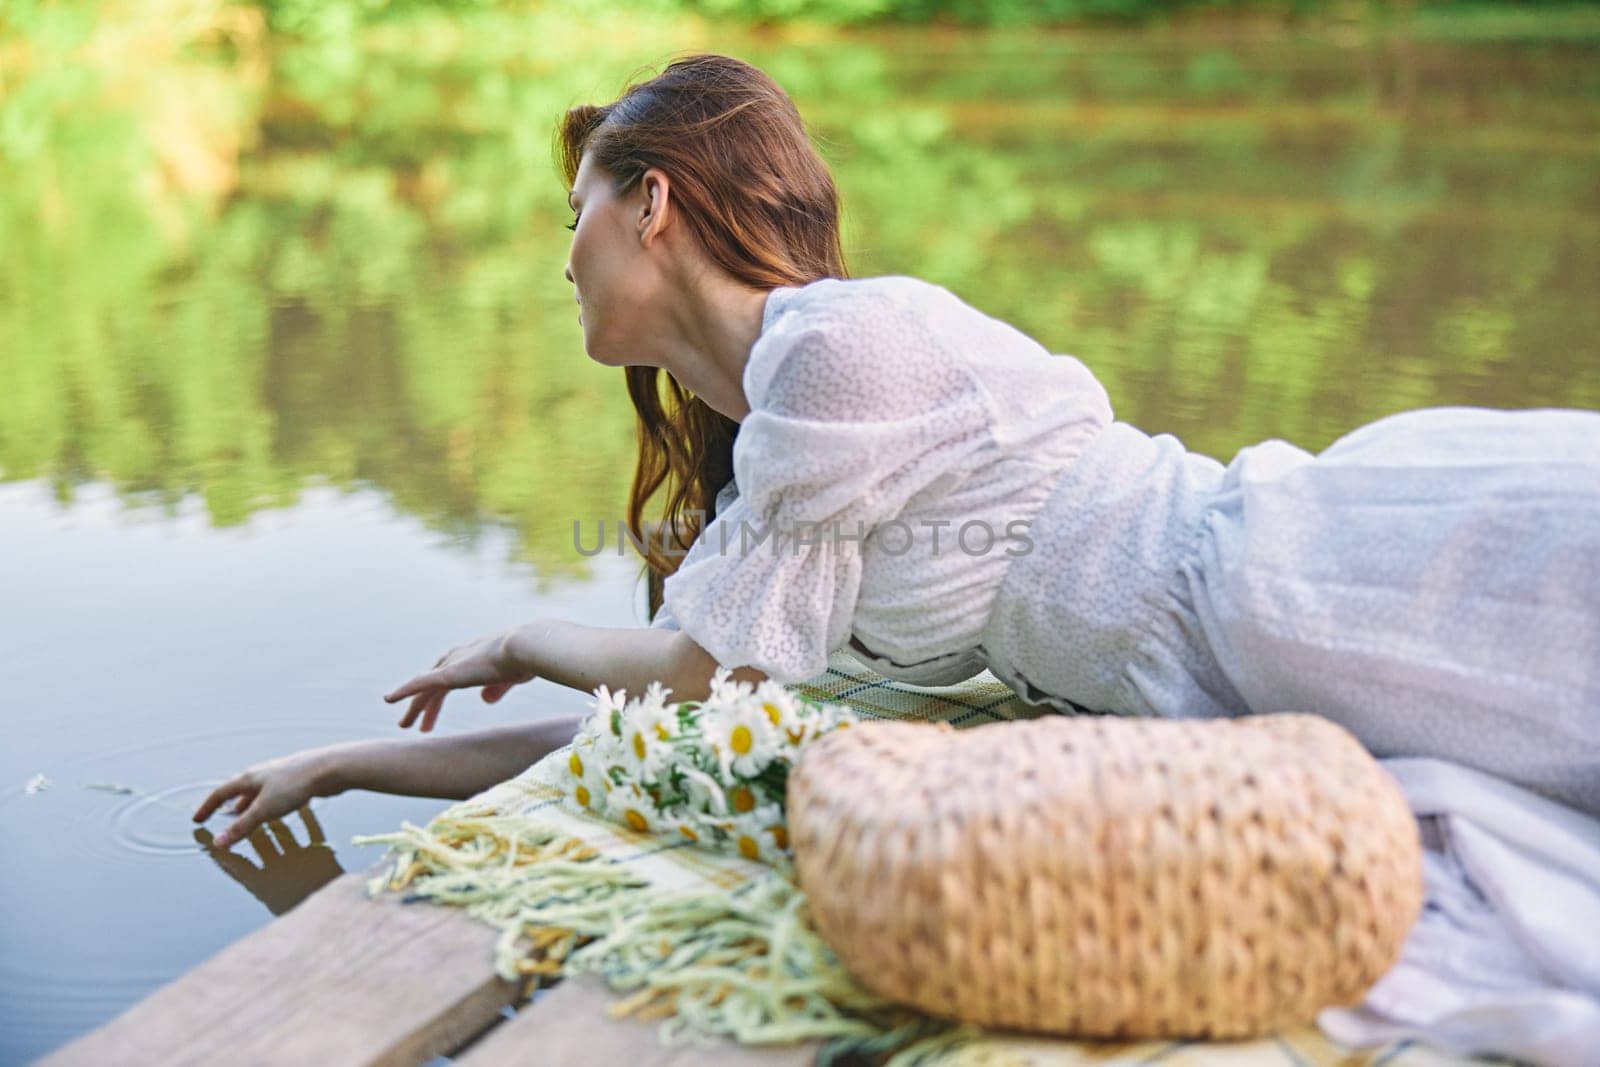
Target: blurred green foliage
239	260
324	16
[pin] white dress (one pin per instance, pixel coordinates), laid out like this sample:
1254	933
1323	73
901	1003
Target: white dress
932	488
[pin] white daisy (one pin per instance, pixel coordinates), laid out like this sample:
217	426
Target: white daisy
579	755
686	826
574	765
742	799
724	689
741	737
783	709
659	713
596	785
656	694
593	731
645	752
631	806
832	717
608	708
583	772
760	835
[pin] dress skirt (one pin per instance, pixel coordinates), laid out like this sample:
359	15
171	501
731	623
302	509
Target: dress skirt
1431	581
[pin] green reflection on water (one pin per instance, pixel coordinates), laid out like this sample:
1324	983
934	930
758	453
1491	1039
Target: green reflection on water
237	265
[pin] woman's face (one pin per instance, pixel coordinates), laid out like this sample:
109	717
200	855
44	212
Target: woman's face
606	265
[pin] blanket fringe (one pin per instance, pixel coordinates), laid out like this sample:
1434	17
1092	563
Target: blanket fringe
744	964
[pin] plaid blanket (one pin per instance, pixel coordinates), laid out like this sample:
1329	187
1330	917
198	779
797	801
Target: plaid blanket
675	863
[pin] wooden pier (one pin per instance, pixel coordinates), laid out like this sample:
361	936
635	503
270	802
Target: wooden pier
346	981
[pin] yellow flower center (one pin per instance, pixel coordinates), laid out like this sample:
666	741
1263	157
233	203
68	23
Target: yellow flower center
748	848
773	713
661	732
636	820
576	764
743	798
796	735
638	745
741	740
690	834
582	794
780	834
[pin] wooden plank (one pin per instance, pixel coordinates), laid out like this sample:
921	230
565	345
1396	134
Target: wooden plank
569	1024
339	981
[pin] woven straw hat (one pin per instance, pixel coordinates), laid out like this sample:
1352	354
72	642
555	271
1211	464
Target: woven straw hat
1107	877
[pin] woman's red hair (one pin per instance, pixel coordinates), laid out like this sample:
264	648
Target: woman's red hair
749	185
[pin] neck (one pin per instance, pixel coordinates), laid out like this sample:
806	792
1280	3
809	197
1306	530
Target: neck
717	322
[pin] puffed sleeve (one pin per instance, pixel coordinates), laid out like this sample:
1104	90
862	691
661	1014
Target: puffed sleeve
664	619
857	406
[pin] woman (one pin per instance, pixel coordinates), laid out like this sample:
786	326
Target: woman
1431	581
890	470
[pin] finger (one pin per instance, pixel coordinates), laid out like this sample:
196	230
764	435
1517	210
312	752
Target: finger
418	702
240	827
210	803
417	716
400	692
492	693
216	797
431	715
243	802
230	833
236	867
431	680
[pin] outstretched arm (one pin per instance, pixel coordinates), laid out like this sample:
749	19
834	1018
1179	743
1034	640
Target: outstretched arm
584	657
452	768
571	654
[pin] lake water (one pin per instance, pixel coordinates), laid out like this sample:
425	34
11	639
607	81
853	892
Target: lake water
293	398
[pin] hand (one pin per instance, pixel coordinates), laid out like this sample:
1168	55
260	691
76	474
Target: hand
486	662
268	790
289	871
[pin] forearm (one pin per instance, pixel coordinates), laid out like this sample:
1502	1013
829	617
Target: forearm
453	768
583	657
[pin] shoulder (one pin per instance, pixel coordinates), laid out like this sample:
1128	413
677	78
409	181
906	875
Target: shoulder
843	297
837	345
840	307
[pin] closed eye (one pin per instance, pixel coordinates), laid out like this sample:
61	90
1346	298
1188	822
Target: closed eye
574	224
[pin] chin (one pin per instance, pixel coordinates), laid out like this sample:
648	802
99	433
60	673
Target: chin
608	358
589	348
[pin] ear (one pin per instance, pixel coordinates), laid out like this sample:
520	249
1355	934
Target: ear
655	205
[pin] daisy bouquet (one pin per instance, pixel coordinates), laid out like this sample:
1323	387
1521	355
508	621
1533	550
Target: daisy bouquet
712	771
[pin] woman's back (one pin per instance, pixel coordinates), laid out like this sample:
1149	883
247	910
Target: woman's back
1016	525
885	405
